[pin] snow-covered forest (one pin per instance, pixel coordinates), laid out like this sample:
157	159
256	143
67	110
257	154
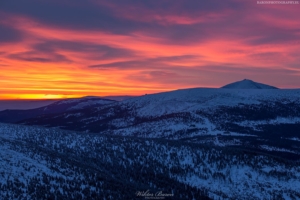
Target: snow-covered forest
49	163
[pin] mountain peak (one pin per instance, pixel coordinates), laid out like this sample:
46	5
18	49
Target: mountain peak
247	84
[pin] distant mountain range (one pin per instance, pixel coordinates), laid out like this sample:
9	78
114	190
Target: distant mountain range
57	107
24	104
20	104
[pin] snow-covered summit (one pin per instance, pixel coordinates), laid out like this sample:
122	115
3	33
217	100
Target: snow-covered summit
248	84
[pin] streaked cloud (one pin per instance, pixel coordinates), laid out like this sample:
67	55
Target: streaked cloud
133	47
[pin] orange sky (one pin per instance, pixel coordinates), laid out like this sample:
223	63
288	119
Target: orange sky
111	48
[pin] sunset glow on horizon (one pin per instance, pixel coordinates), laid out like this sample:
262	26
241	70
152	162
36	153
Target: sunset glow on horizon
61	49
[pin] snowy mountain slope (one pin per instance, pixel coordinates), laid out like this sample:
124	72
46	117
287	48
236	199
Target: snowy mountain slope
195	101
194	143
204	98
54	108
248	84
246	118
44	162
199	99
188	100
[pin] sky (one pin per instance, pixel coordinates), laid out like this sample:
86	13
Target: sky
64	49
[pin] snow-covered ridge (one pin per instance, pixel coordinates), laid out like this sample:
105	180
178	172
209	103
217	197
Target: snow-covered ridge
84	104
80	103
89	99
204	98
